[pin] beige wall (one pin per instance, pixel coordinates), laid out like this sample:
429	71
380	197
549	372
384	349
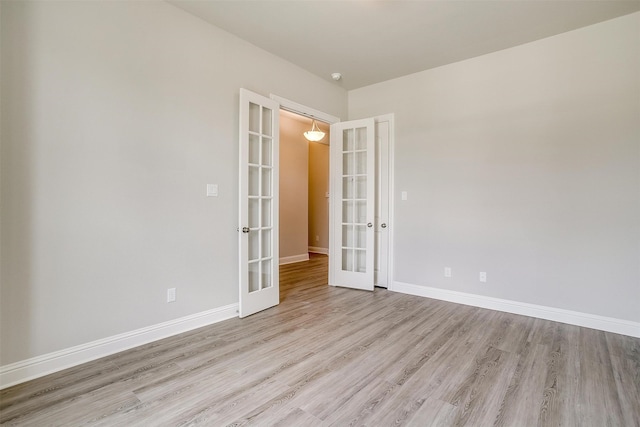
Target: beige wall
294	179
318	187
115	116
524	164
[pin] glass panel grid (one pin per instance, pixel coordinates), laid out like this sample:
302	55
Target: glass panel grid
354	199
260	197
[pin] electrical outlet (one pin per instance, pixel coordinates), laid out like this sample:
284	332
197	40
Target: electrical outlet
171	294
447	272
317	238
483	276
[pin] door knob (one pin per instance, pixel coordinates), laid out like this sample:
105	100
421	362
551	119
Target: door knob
383	225
245	229
369	225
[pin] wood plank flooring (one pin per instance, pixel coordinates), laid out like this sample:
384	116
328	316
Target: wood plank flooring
338	357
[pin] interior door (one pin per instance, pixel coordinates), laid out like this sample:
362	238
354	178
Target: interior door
258	222
381	224
351	260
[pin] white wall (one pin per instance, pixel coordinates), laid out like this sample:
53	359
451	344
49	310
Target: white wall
524	163
115	116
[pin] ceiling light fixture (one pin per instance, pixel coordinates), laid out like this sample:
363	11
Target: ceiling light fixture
315	134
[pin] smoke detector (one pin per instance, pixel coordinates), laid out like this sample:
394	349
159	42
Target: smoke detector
336	76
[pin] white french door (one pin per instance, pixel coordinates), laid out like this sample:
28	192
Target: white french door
258	217
381	224
351	260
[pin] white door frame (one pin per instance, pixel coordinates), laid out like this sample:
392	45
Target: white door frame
303	110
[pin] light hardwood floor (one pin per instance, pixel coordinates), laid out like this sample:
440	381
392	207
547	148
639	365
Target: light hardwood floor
332	356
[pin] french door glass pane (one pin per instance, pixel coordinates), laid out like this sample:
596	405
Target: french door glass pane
266	151
347	141
360	236
347	187
347	259
347	164
266	212
266	121
266	181
266	274
347	236
254	149
254	245
266	244
254	118
347	211
361	212
361	162
361	139
360	261
254	213
254	276
254	181
361	187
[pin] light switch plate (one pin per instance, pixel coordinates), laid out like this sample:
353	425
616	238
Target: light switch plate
212	190
404	195
171	294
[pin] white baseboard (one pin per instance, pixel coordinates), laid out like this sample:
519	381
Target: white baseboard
609	324
294	258
317	250
39	366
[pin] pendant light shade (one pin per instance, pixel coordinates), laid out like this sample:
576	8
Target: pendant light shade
315	134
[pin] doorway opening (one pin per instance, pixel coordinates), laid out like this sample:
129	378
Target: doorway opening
304	192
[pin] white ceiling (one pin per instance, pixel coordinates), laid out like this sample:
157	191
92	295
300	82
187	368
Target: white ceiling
372	41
